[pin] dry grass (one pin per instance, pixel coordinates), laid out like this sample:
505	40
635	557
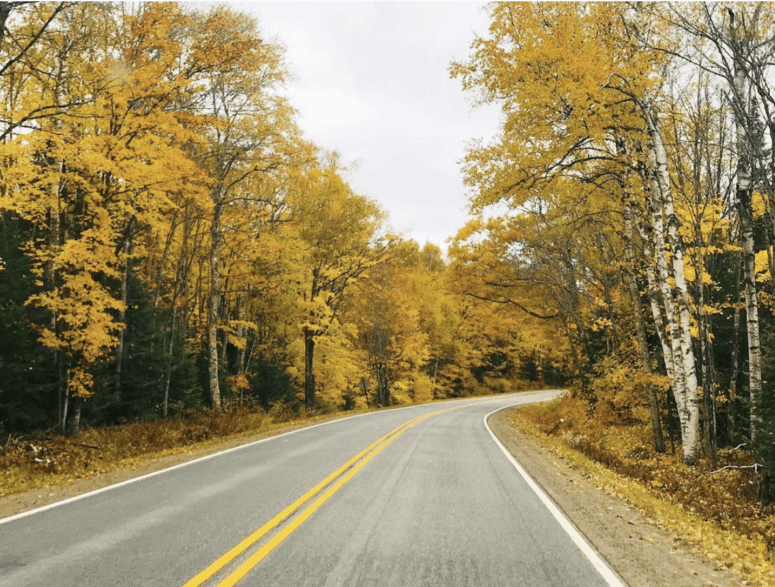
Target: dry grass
36	461
46	460
715	509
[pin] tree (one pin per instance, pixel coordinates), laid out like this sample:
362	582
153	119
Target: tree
248	126
341	236
579	117
388	309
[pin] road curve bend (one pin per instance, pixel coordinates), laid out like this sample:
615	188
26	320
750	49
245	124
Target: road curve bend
424	495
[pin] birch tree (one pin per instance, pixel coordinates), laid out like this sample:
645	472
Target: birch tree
564	119
248	126
729	41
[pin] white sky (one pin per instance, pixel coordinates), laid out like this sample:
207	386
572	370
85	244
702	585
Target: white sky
372	83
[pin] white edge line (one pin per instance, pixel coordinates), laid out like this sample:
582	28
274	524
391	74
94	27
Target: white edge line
191	462
600	565
168	469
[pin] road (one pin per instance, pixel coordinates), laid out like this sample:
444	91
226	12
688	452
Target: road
416	496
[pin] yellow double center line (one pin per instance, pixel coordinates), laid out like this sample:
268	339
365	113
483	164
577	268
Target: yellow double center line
336	480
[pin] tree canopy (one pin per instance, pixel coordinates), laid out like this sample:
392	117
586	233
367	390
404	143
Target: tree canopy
171	240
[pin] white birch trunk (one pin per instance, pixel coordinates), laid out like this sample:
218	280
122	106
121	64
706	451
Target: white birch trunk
655	303
663	283
664	201
745	212
656	424
660	298
732	416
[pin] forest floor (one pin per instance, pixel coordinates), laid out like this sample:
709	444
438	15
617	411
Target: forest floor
648	537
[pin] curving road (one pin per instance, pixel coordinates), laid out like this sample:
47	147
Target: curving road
418	496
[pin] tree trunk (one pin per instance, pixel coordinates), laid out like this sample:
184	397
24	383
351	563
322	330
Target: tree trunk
661	189
751	311
571	305
708	383
168	376
574	353
223	313
663	282
122	312
435	372
745	214
656	303
212	323
640	331
732	409
163	261
676	309
65	402
74	421
179	290
242	335
309	377
383	385
50	280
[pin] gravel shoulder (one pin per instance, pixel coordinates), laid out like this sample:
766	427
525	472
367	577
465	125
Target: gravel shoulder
641	552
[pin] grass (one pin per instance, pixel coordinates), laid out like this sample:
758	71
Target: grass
45	460
714	508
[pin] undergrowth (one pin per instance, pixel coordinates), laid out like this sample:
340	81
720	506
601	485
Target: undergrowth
44	459
715	505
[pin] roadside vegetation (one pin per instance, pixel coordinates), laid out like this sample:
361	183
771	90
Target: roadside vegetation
629	201
41	459
172	245
714	505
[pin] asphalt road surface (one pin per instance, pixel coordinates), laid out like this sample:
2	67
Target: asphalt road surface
419	496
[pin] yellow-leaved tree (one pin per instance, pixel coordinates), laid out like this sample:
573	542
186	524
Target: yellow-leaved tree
341	237
85	175
581	146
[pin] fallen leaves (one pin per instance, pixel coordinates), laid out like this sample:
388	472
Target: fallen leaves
717	510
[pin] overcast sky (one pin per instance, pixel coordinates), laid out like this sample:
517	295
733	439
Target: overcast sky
372	83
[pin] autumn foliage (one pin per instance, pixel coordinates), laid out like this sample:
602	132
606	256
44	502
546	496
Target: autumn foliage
170	241
629	195
172	247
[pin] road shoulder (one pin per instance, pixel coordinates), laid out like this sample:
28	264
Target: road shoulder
642	553
18	503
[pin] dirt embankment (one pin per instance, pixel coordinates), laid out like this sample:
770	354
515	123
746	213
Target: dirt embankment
642	553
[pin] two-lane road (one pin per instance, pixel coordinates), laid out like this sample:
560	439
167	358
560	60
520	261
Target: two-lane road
418	496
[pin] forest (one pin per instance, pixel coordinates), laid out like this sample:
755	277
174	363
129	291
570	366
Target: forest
630	193
173	248
172	244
